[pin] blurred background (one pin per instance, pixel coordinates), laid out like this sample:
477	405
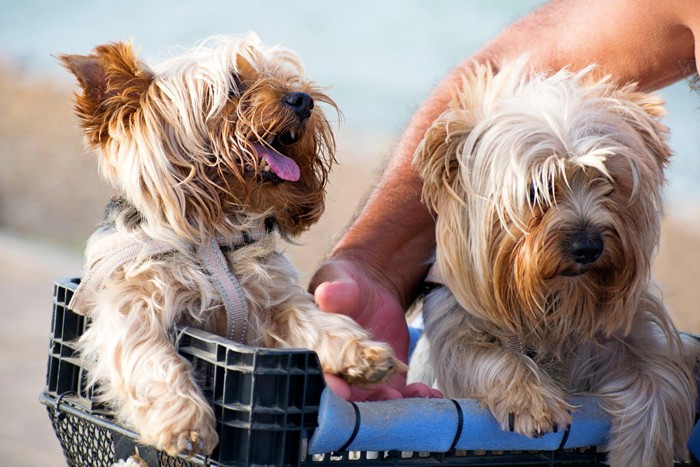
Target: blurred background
379	59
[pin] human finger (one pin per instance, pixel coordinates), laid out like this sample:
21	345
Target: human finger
420	390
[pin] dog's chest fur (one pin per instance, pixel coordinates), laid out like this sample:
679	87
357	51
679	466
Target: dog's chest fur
180	272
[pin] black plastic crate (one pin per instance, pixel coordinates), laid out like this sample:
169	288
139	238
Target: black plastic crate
265	400
93	440
266	403
64	374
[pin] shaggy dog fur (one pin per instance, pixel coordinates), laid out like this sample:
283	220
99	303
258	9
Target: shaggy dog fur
547	195
222	141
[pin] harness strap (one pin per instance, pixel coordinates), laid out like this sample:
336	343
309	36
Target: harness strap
212	258
228	287
225	282
514	344
104	267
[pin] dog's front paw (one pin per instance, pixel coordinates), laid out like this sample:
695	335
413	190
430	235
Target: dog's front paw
372	362
531	413
186	426
190	443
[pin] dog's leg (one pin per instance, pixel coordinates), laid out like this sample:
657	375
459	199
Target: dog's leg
521	397
294	320
648	389
419	369
139	370
467	363
343	347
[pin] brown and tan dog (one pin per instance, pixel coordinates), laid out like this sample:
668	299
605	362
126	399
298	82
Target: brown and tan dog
215	156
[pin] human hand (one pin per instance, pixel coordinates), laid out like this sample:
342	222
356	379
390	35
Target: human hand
341	286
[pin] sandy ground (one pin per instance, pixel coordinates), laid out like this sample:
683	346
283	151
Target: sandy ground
27	272
677	268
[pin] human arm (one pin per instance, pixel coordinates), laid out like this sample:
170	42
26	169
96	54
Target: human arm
375	270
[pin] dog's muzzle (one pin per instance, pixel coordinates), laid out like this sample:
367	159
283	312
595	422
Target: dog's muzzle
301	103
585	248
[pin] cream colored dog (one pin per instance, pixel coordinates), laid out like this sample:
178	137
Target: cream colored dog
547	195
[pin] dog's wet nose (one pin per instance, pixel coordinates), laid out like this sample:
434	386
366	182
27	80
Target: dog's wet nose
300	102
586	248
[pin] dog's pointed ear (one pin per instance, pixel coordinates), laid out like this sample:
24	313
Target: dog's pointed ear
642	111
645	117
244	67
436	158
89	72
113	81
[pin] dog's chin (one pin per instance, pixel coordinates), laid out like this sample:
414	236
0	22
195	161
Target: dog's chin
597	271
575	271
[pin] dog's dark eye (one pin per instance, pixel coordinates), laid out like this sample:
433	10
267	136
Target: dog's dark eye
236	88
538	198
610	189
533	195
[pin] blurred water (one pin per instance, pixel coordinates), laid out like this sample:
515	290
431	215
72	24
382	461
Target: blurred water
380	57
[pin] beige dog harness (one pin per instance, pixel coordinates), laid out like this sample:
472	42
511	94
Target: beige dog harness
211	257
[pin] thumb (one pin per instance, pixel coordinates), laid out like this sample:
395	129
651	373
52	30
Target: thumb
339	294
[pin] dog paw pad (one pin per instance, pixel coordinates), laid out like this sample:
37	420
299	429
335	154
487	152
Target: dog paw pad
373	364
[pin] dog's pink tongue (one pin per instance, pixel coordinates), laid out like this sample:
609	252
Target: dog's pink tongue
281	165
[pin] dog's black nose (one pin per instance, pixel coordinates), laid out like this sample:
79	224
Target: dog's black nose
300	102
586	248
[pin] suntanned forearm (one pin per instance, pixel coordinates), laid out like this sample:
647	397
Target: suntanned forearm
647	41
644	41
394	233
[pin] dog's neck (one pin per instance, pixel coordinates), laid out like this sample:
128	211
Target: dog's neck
120	214
210	253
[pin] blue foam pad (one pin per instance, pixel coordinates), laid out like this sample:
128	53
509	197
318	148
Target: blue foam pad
432	424
413	334
694	442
